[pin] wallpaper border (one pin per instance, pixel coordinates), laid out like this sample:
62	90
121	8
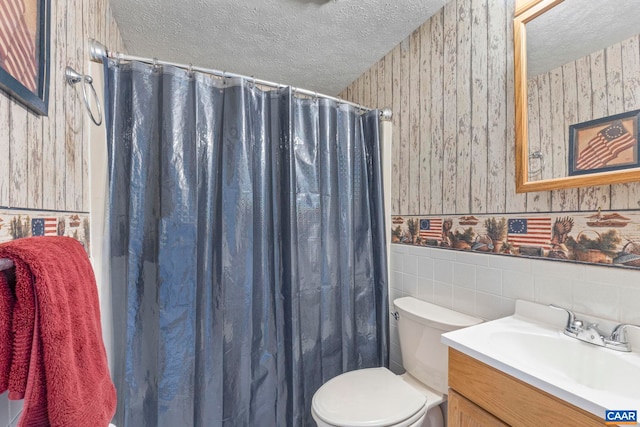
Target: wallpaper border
597	237
20	223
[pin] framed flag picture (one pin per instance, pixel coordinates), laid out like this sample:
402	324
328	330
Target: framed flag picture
24	52
603	145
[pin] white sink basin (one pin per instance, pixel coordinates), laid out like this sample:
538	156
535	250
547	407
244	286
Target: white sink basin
534	350
586	364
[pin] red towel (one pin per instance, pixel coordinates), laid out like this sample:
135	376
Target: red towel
7	302
52	353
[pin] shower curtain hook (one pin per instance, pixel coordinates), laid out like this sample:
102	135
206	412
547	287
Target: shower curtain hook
315	96
155	63
190	70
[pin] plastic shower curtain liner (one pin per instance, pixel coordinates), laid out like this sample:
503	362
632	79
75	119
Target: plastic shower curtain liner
247	242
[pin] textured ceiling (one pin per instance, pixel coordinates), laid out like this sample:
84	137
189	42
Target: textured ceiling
576	28
313	44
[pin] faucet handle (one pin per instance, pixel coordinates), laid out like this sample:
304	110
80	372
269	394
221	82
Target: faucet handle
572	322
619	334
618	339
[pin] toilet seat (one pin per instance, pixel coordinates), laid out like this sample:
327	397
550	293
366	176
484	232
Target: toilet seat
415	421
367	398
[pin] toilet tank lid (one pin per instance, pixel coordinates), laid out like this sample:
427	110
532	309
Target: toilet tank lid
433	315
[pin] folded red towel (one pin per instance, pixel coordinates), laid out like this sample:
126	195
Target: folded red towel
50	316
7	302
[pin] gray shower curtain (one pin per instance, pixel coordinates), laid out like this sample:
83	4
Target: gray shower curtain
248	260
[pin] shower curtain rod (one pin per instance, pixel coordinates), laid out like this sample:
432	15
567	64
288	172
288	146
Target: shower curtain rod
97	51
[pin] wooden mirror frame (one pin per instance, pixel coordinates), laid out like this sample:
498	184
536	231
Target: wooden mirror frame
526	10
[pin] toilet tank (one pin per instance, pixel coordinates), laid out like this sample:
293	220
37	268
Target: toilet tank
420	325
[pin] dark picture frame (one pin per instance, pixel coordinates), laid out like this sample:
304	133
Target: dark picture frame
25	27
605	144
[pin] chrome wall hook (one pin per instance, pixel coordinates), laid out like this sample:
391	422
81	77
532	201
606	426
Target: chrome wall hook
72	77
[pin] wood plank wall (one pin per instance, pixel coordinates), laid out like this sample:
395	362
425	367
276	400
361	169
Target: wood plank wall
450	86
605	83
44	161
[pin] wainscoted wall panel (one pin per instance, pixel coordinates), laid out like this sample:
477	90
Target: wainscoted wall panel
451	91
44	161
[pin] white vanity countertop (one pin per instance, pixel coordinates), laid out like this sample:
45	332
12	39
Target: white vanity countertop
531	346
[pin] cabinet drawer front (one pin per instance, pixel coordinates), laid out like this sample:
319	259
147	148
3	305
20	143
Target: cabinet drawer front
511	400
464	413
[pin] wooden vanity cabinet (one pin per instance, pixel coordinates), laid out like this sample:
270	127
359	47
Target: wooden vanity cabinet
480	395
465	413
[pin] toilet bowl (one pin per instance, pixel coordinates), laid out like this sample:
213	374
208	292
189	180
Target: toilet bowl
376	397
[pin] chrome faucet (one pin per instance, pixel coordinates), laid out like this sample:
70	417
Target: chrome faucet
573	324
619	333
593	335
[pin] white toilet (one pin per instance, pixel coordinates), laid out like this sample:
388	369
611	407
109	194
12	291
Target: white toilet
376	397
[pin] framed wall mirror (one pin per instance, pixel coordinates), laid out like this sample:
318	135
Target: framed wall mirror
577	93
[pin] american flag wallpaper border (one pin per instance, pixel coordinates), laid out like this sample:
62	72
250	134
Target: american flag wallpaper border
592	154
599	237
19	223
37	100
